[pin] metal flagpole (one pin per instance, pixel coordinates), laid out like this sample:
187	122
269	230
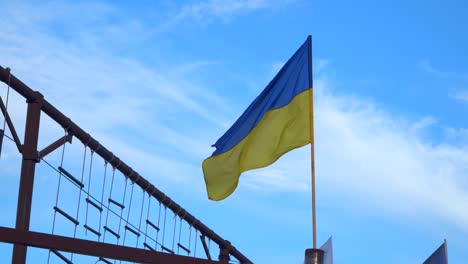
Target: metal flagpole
312	145
312	255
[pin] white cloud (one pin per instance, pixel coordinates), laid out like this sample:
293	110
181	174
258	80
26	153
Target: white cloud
374	158
321	65
174	171
461	95
457	135
362	152
428	67
460	77
65	71
206	11
422	124
223	8
368	151
111	97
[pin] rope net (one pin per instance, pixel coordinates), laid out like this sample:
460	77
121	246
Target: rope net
79	194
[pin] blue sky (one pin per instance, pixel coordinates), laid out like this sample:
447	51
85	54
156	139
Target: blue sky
158	82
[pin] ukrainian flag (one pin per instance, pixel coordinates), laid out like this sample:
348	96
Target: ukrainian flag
439	256
277	121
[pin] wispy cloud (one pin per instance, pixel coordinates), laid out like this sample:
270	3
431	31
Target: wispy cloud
423	123
458	76
380	157
461	95
375	158
457	135
321	65
362	152
224	10
66	71
112	97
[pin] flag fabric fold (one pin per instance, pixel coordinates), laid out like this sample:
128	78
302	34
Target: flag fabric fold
439	256
327	247
276	122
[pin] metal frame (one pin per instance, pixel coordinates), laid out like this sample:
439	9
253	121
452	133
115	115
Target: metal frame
36	104
28	167
92	248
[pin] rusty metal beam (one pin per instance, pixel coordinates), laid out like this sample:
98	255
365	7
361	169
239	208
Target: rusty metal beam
92	248
121	166
10	126
224	254
28	168
59	142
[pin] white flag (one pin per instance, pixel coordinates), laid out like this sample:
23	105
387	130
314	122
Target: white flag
328	248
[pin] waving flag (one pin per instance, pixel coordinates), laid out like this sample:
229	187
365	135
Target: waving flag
277	121
439	256
327	247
